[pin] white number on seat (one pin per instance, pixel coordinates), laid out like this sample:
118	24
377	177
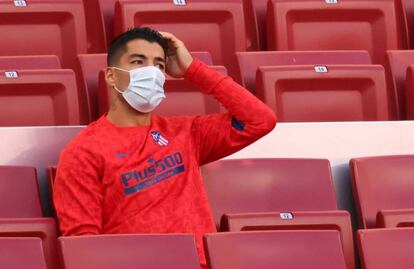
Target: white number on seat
20	3
321	69
11	74
286	215
179	2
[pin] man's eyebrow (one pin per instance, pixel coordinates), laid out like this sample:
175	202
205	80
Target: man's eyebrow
142	56
160	59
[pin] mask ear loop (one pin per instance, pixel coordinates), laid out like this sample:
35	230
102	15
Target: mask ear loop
118	90
121	69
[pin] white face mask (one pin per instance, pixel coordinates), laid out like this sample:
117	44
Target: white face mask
145	90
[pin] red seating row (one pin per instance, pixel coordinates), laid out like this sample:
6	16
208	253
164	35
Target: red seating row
380	183
299	86
378	249
281	197
255	12
285	249
291	25
35	91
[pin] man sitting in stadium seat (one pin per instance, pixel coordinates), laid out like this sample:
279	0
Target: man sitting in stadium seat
134	172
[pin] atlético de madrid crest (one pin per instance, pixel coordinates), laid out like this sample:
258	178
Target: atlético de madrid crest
159	139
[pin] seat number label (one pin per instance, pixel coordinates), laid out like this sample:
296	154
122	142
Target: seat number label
20	3
179	2
321	69
286	216
11	74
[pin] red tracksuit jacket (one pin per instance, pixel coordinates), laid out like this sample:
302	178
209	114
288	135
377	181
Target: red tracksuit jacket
147	179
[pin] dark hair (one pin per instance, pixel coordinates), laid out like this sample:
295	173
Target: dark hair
119	43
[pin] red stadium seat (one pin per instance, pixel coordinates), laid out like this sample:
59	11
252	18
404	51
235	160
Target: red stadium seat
19	192
298	220
249	62
50	27
107	8
258	9
214	26
21	253
395	218
324	93
375	26
263	185
43	228
397	63
29	62
382	183
203	56
39	97
90	65
183	98
275	249
95	26
409	93
130	251
408	6
386	248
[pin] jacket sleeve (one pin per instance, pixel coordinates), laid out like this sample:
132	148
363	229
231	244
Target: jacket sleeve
77	193
218	135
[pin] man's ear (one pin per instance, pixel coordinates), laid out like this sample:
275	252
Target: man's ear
110	77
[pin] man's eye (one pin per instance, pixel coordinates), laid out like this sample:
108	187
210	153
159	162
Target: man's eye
137	62
161	66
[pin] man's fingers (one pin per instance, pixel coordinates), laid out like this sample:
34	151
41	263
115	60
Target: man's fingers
168	36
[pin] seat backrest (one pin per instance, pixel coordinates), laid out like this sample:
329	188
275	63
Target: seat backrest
258	11
379	183
275	249
298	220
43	228
39	97
90	65
95	26
409	93
129	251
107	8
62	22
250	61
222	20
203	56
376	26
397	63
261	185
29	62
408	7
19	192
21	253
183	98
310	93
386	248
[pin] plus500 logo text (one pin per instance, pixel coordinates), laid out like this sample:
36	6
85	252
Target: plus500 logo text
157	171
